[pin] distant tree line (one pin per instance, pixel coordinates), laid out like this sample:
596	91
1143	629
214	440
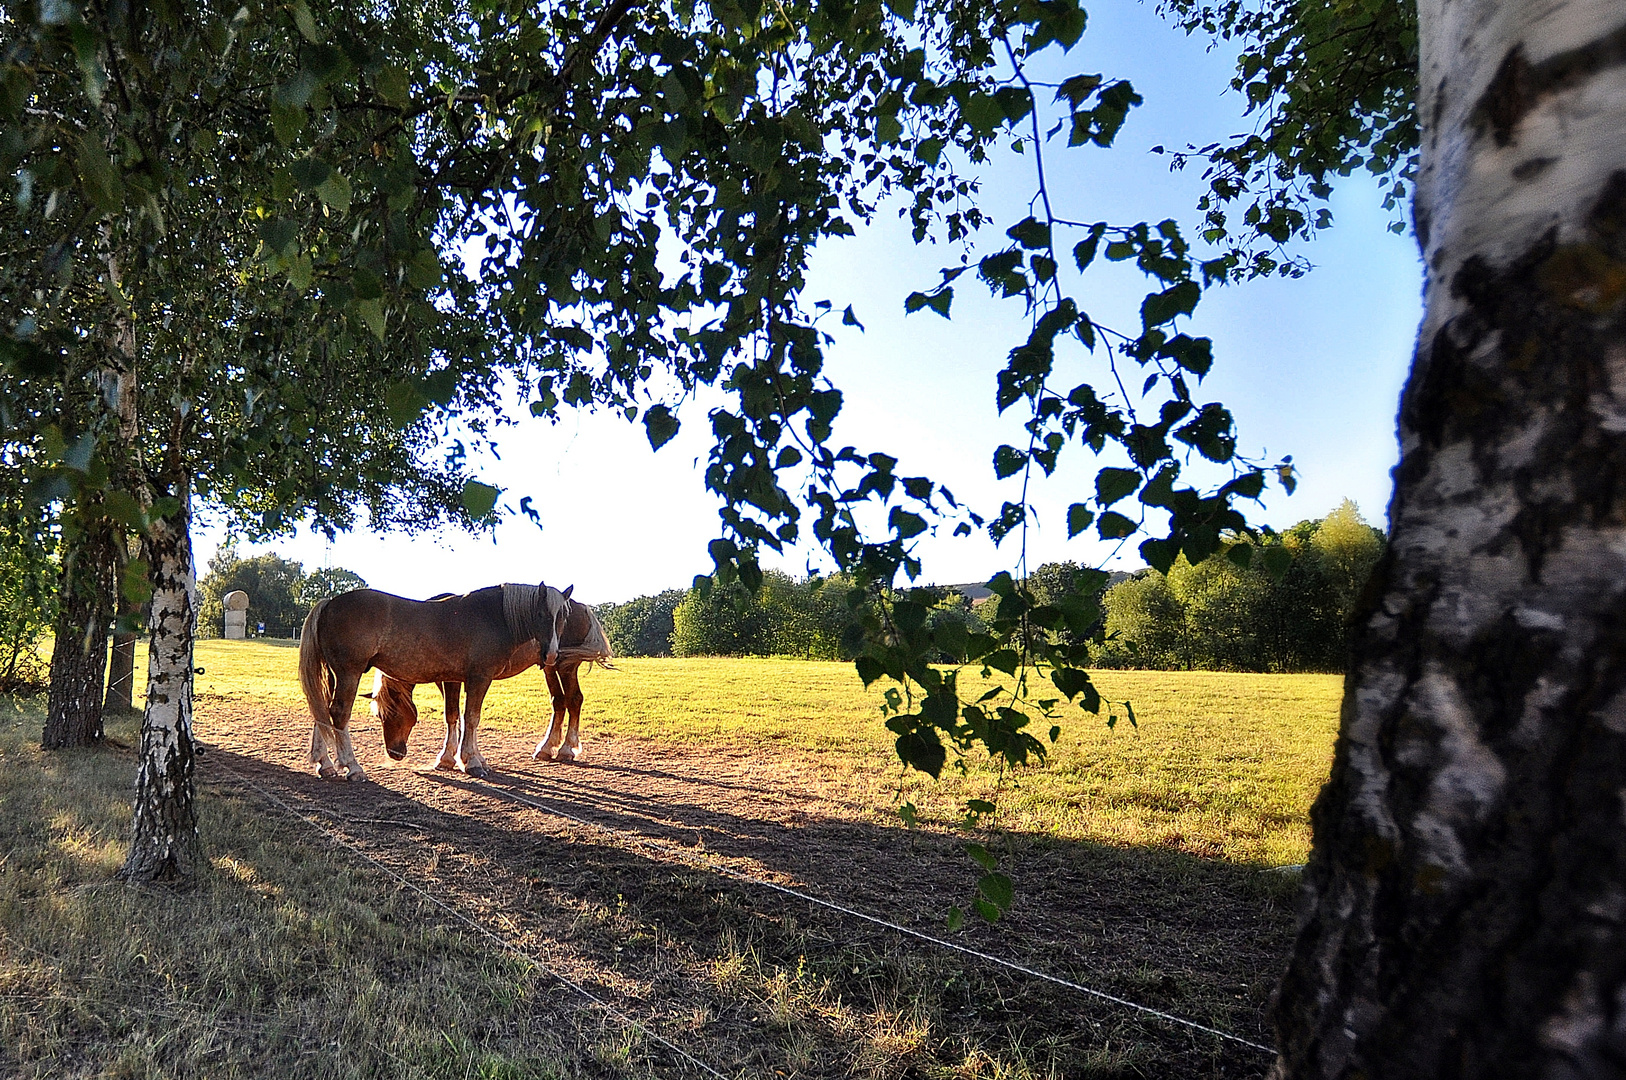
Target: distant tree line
29	570
1281	604
280	593
809	619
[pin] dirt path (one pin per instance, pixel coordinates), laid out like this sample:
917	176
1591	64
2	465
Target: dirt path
755	982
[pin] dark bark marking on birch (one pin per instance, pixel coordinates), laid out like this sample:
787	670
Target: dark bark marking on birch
1482	933
1508	97
1519	85
1526	171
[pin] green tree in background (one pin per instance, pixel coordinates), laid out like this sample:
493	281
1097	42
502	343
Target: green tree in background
1146	625
806	619
325	583
280	594
28	588
1279	603
641	626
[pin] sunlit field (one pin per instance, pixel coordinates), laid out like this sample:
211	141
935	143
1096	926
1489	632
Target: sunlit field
291	957
1218	765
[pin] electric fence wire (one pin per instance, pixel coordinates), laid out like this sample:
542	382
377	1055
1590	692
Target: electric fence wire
729	872
593	999
668	851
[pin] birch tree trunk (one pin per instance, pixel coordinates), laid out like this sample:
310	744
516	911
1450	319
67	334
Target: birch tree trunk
1465	908
165	846
121	669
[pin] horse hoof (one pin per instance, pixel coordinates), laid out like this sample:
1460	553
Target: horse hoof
479	772
356	775
328	772
541	755
446	766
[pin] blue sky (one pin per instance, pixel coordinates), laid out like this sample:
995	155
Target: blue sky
1310	367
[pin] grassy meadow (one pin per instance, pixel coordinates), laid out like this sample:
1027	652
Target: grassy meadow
290	958
1220	765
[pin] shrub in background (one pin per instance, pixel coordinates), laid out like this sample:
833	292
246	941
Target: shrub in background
1287	609
641	626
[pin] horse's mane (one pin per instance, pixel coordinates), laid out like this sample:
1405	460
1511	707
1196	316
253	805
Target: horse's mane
519	610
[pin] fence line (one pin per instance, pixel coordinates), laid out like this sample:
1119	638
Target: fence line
700	862
593	999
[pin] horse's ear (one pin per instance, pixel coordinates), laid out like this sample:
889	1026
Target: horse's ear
568	590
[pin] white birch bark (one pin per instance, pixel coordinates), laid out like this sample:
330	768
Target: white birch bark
1466	899
122	391
164	845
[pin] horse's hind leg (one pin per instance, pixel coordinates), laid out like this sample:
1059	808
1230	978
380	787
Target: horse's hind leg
323	744
468	751
322	753
549	746
572	749
451	692
344	699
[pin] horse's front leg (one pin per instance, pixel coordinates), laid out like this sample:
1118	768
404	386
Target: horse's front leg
572	749
549	746
344	700
451	692
468	751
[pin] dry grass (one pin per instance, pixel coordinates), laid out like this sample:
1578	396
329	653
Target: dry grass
292	958
284	960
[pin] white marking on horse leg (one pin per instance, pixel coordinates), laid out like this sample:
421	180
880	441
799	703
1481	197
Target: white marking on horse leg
347	757
322	751
468	751
454	726
548	747
572	750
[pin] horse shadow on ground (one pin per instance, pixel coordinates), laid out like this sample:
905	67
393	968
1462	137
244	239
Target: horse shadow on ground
1167	929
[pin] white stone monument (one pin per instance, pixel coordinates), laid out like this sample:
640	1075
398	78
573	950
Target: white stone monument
236	605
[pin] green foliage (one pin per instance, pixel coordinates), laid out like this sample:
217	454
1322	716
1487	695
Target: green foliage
28	583
642	188
785	617
1282	604
280	594
643	625
1334	86
321	584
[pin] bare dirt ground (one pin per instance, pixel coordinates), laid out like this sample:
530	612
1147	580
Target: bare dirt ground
650	916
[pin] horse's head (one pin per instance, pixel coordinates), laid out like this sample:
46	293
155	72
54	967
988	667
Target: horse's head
392	704
553	607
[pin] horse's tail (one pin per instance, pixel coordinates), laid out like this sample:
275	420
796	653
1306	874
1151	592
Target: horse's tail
313	677
594	648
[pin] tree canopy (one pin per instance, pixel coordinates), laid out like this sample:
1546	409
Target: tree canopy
280	593
260	218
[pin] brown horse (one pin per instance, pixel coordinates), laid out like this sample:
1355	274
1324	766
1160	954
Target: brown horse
466	639
581	641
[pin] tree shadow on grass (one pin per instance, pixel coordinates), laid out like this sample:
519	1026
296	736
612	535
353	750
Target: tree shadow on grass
1199	938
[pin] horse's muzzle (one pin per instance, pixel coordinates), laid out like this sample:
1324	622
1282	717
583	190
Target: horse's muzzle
396	753
551	662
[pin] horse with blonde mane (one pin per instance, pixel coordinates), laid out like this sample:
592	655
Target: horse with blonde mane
465	639
582	640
